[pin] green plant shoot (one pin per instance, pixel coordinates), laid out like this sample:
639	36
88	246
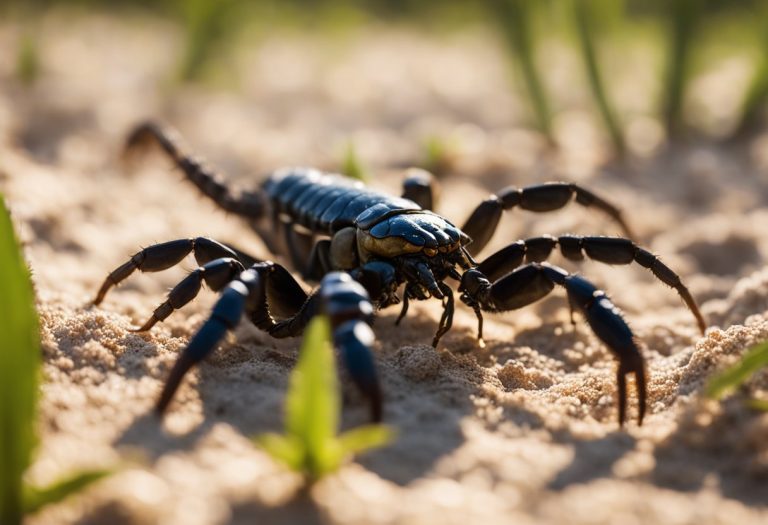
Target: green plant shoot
207	24
757	93
438	154
515	19
19	377
725	382
683	19
583	14
28	60
310	444
352	166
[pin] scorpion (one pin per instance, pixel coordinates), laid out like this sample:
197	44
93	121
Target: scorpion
367	249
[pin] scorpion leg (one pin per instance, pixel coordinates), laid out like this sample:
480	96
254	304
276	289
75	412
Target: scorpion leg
446	320
420	187
299	243
350	311
319	261
608	250
532	282
162	256
482	223
244	257
216	274
251	205
344	300
239	296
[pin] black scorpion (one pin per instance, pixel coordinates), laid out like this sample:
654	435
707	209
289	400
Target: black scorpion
361	244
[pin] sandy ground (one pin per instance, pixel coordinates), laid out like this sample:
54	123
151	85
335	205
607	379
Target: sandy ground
522	431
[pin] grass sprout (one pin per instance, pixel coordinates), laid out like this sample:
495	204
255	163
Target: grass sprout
28	63
352	166
207	23
515	19
683	18
583	12
19	381
731	378
439	154
310	444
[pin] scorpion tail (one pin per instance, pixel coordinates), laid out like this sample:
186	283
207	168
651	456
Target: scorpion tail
248	204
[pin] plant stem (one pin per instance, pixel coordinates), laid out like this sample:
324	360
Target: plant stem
581	14
683	20
757	94
515	21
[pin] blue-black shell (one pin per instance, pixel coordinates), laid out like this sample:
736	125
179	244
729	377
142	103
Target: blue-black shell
421	229
327	203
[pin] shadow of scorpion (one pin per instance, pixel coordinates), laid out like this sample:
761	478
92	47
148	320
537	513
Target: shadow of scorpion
362	245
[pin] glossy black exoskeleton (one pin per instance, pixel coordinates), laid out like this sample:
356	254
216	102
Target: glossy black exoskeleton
369	251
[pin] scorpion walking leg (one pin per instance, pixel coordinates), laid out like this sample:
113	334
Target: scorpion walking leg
608	250
420	187
319	261
246	204
344	300
162	256
533	281
299	244
482	223
216	275
446	320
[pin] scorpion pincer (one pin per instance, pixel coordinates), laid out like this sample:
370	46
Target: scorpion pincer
369	250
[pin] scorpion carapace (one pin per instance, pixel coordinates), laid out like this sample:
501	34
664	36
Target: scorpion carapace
369	250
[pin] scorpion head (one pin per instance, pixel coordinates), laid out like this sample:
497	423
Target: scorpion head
423	247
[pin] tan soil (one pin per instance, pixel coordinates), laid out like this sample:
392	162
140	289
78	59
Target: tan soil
521	431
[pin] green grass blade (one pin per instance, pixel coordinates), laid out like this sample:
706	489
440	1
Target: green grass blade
755	99
723	383
352	166
312	404
439	155
207	24
285	449
758	404
365	438
28	60
683	17
757	93
515	19
582	13
19	369
35	498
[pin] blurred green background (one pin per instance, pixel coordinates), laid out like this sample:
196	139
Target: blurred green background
688	38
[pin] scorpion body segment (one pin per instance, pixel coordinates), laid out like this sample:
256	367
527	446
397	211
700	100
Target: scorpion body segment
369	250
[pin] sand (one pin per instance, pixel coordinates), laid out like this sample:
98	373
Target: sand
521	431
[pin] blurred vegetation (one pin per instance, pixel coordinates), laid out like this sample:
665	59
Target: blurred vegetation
588	18
19	382
724	383
688	35
310	444
352	166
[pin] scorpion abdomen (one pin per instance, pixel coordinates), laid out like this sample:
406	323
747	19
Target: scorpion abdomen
325	203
